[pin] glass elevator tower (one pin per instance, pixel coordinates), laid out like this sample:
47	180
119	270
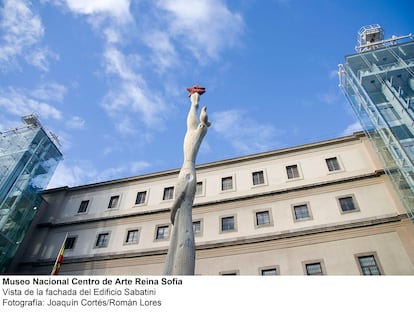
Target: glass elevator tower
28	158
378	81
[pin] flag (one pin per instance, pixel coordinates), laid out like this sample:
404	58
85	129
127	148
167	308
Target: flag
59	258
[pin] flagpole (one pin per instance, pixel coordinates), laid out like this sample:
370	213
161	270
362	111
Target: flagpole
59	258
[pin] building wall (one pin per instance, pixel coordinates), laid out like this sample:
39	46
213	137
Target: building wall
377	225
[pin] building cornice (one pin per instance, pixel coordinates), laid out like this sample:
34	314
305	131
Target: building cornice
238	160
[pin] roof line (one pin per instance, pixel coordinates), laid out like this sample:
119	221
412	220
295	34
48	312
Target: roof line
354	136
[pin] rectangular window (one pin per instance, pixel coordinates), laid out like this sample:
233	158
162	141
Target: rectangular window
269	272
292	171
113	202
83	206
227	223
70	243
227	183
368	265
258	177
132	236
197	227
314	269
347	204
301	212
229	273
102	240
141	197
333	164
262	218
199	188
162	232
168	193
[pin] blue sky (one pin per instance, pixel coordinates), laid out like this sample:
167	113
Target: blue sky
109	77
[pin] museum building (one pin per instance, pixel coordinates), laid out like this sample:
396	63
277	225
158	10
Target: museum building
324	208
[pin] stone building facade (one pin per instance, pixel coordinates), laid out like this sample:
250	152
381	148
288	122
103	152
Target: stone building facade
321	208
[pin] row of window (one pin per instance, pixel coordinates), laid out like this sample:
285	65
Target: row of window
367	263
262	218
227	184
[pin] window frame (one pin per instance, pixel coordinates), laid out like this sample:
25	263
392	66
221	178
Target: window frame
126	242
256	212
298	170
234	272
145	199
321	262
164	192
88	204
106	243
202	193
354	202
307	204
263	176
338	163
233	183
222	217
73	239
118	202
268	268
157	227
200	233
369	254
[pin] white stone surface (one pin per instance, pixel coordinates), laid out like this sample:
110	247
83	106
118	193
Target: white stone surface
181	253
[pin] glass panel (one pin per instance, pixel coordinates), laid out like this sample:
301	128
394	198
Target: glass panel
227	183
132	236
227	223
368	265
113	202
141	196
402	132
196	227
102	240
409	149
162	232
332	164
314	269
70	243
269	272
389	113
258	177
83	206
262	218
199	188
301	212
292	172
28	159
347	204
168	193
